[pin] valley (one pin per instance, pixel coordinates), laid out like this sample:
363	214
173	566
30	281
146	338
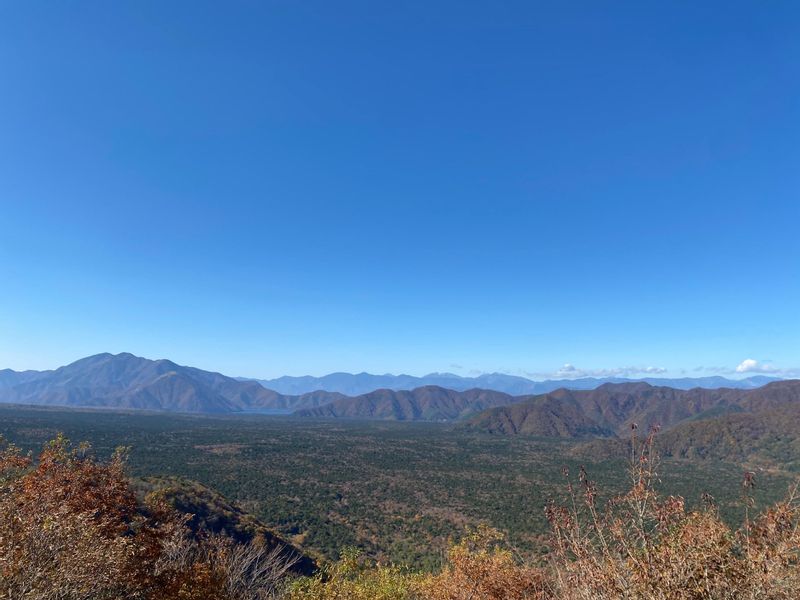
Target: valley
399	491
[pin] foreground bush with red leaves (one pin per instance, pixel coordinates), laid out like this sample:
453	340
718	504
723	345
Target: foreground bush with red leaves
71	528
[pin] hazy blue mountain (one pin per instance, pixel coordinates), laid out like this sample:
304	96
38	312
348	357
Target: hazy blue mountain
9	378
344	383
363	383
128	381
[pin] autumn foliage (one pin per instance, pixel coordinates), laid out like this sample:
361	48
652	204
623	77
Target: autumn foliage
647	547
71	528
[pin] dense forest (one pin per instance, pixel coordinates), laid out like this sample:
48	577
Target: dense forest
399	492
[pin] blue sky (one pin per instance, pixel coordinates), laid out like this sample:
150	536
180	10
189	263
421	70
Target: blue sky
267	188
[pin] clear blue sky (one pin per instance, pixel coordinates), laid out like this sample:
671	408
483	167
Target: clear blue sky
286	187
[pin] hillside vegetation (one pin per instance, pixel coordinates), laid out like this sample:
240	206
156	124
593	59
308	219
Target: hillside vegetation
399	491
429	403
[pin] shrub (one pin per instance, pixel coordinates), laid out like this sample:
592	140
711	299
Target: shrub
71	529
351	578
479	568
644	547
476	569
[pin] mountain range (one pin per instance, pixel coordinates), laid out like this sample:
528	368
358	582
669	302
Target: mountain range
608	411
351	384
131	382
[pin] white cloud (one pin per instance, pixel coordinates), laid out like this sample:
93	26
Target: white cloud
746	367
567	369
750	365
570	371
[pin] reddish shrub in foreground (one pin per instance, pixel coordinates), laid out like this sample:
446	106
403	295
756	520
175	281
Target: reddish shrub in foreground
71	529
644	547
478	568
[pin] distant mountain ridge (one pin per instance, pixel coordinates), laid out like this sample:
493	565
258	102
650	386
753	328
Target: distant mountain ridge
362	383
128	381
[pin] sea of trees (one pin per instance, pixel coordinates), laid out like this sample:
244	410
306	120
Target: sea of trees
402	493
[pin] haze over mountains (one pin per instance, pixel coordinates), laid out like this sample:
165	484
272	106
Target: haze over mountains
363	383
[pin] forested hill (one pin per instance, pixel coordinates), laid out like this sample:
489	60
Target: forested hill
611	409
429	403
